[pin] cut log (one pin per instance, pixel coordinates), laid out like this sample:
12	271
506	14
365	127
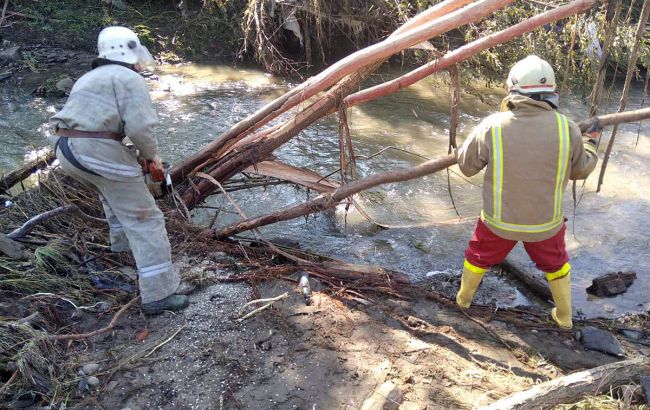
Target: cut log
572	388
22	173
385	397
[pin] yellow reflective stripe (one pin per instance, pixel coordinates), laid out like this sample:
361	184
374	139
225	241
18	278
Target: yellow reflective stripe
563	158
564	270
497	171
473	268
521	228
591	148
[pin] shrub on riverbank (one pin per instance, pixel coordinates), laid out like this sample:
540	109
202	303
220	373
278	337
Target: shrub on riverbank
290	37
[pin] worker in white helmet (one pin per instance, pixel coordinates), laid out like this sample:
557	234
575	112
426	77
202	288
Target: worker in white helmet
529	151
106	104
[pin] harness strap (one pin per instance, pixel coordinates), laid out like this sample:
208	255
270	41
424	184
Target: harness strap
62	144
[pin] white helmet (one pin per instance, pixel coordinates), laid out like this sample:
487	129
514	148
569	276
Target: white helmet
121	44
531	75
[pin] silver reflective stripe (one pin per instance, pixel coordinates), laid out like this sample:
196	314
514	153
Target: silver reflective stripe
497	148
154	270
562	162
117	169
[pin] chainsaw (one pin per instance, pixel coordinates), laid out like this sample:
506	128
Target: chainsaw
157	179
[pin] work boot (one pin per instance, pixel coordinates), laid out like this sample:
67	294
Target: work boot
469	282
172	302
561	291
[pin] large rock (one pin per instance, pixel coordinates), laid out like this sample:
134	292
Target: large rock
600	340
10	55
64	85
611	284
11	248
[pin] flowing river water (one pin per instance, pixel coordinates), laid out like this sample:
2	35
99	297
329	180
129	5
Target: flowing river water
607	232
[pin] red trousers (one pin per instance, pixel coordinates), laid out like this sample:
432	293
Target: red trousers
486	249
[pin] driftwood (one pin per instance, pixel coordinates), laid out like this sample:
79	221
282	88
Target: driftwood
643	19
28	226
14	177
571	388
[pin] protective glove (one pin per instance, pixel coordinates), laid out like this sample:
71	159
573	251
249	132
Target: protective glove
594	129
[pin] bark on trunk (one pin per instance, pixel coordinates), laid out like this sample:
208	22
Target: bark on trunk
571	388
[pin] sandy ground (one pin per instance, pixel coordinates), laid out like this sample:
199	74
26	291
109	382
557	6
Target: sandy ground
331	354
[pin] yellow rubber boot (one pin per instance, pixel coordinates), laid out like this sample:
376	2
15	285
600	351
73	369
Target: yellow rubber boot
472	276
561	291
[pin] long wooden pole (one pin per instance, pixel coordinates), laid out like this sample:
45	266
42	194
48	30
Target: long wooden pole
643	20
309	88
332	198
467	51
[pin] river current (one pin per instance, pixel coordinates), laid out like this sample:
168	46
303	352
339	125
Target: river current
607	231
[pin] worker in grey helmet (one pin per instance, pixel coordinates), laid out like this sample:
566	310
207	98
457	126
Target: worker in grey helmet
106	104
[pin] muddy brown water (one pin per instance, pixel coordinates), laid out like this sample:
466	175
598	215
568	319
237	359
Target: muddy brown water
608	231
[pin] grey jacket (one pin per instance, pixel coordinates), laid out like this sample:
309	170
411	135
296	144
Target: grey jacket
116	99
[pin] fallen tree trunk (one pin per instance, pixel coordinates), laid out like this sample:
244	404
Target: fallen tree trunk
235	162
20	174
359	64
572	388
333	198
424	23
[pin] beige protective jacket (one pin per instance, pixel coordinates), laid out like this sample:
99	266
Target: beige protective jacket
116	99
530	151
